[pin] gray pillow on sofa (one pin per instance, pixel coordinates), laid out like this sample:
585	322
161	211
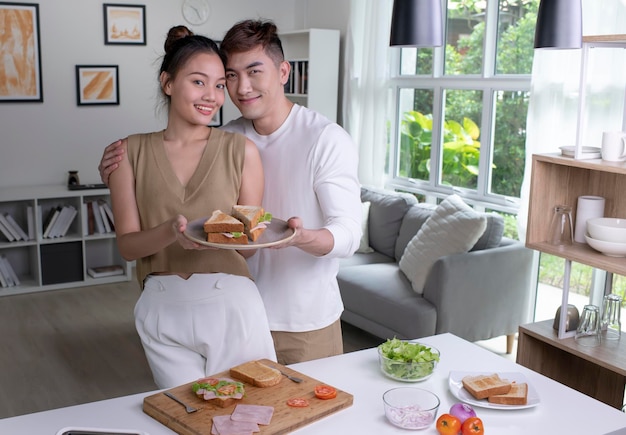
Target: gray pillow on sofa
417	215
386	212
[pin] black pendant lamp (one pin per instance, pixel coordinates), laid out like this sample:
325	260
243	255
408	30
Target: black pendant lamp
559	24
416	23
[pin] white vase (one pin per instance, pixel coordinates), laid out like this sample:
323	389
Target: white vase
588	207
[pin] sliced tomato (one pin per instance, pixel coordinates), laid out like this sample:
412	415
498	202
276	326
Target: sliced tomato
210	381
298	402
325	392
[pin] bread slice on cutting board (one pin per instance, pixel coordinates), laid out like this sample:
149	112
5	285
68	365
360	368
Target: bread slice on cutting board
257	374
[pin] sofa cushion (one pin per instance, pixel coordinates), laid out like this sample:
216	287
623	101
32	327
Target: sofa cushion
385	217
454	227
492	236
364	245
417	215
366	258
382	294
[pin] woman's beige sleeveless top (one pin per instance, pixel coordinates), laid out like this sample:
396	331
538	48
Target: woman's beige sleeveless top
160	196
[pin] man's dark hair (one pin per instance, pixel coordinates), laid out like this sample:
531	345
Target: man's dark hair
249	34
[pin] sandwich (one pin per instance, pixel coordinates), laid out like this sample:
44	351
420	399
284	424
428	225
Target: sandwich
221	392
256	373
517	395
254	219
484	386
225	229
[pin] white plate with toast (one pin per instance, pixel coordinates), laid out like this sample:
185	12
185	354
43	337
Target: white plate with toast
276	232
456	388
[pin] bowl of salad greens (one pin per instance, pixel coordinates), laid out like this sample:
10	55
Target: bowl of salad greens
407	361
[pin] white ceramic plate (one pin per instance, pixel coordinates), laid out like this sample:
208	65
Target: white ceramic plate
456	388
276	232
587	152
610	249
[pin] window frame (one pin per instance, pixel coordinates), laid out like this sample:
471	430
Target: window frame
489	83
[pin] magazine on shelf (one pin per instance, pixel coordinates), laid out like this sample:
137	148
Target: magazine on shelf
102	271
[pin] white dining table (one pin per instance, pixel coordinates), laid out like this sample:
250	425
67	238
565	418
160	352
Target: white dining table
558	410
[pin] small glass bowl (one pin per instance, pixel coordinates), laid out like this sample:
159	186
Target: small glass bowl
411	408
407	371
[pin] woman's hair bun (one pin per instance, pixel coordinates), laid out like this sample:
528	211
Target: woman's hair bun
176	33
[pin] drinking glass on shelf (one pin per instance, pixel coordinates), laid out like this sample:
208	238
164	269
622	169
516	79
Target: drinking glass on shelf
611	326
588	331
561	231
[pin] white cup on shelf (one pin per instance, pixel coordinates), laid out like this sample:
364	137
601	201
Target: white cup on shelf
614	146
588	207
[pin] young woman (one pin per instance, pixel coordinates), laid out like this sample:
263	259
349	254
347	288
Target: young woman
199	312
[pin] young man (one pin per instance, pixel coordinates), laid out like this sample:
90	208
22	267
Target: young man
310	166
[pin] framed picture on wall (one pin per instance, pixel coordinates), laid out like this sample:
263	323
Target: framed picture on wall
97	85
20	53
124	24
217	119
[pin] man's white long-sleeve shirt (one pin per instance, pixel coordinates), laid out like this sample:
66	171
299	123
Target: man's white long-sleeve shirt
310	166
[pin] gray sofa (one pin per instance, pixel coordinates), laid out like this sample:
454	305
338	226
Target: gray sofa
476	295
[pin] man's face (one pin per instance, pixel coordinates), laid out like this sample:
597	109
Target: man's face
255	83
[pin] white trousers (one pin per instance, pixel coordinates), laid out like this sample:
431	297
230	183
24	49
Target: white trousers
192	328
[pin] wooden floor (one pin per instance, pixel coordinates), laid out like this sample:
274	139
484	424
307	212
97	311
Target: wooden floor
66	347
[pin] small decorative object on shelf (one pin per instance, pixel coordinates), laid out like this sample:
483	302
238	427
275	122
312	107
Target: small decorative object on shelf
72	179
571	321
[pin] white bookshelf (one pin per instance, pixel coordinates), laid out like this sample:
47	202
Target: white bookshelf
62	262
319	49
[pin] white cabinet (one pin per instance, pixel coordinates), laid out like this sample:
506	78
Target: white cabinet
60	262
314	55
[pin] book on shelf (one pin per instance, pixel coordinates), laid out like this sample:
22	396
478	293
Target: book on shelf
16	226
102	271
64	221
105	218
109	212
5	231
9	227
4	270
11	272
97	217
30	222
53	215
58	222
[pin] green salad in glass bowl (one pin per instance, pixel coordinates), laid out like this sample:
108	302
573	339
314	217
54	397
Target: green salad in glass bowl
407	361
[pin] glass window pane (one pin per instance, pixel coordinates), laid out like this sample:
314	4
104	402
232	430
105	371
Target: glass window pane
416	61
416	125
509	143
516	34
465	33
461	138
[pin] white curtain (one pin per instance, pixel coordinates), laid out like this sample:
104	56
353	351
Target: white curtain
553	108
366	85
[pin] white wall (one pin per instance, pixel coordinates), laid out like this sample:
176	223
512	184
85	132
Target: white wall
40	142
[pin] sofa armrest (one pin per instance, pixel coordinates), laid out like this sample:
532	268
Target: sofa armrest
482	294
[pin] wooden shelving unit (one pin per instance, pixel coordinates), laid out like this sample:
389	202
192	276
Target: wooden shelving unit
50	264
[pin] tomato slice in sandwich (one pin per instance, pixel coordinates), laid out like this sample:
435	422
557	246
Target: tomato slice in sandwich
325	392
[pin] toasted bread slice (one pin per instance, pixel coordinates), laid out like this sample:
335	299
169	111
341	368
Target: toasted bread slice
223	239
220	222
250	215
483	386
257	374
517	395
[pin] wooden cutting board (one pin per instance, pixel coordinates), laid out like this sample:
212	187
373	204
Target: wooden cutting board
285	419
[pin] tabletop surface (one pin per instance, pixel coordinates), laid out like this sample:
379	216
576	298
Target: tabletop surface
561	410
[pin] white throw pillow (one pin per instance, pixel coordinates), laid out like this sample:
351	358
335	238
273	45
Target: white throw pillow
364	247
453	228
